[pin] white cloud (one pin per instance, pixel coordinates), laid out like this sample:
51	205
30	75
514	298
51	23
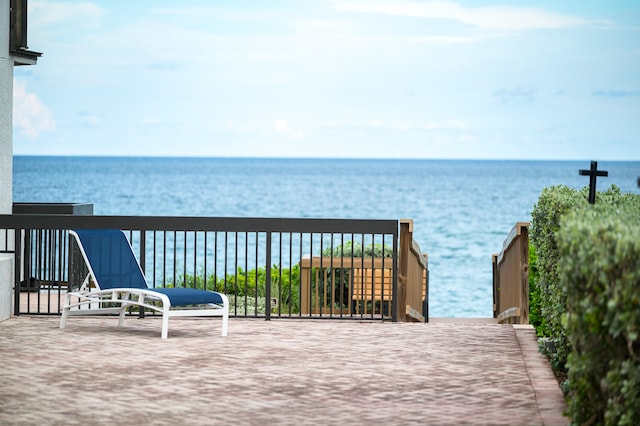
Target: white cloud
88	119
150	120
281	126
30	115
491	18
284	128
403	125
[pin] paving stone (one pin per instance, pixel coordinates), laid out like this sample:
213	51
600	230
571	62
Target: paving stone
279	372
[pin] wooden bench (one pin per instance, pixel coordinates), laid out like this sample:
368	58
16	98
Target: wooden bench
372	287
362	274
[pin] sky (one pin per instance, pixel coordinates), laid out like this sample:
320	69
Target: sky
482	79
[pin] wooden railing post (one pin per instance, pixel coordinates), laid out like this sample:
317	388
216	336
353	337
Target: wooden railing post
524	273
406	236
413	276
511	277
496	286
305	286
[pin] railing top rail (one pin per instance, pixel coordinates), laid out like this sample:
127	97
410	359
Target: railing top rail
201	223
515	232
346	262
421	257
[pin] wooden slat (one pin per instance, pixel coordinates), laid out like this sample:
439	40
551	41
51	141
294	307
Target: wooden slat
363	281
414	315
509	314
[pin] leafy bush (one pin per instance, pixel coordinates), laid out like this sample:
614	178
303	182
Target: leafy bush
247	289
535	315
553	204
599	268
349	249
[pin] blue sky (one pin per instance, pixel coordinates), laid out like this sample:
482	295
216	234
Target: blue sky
332	78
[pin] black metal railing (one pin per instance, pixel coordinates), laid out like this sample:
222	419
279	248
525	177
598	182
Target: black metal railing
255	261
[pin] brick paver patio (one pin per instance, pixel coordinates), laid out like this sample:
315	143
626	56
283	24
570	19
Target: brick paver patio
280	372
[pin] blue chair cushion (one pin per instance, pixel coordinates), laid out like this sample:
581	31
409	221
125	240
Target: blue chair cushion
180	296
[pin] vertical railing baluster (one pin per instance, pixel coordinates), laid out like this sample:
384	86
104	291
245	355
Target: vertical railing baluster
300	276
226	251
164	258
246	278
175	254
341	279
290	275
204	272
279	271
184	259
155	246
17	265
215	261
195	259
143	251
268	279
256	272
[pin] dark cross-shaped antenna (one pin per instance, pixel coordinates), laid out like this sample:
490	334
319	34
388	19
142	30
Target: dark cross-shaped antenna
593	173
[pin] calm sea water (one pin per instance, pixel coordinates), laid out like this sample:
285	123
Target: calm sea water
462	210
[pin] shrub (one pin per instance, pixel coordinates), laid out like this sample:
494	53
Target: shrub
599	267
535	315
349	249
553	204
247	289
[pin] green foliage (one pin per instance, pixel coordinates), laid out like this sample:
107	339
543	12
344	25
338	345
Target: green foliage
599	268
535	315
553	203
349	249
247	289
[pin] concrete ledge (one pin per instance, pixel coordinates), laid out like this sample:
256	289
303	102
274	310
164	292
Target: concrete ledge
548	395
6	285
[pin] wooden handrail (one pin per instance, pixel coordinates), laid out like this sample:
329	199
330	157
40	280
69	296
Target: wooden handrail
511	277
413	275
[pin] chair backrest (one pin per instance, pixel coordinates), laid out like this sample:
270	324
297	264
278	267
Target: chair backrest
110	258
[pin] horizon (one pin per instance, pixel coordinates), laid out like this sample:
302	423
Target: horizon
336	79
322	158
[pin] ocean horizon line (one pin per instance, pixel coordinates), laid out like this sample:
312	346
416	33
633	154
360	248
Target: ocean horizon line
395	159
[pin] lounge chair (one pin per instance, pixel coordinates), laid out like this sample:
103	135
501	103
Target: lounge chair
117	277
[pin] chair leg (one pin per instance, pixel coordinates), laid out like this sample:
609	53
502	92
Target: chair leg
63	319
225	323
165	325
65	311
123	311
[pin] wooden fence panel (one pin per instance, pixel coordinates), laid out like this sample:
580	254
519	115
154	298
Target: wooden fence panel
511	277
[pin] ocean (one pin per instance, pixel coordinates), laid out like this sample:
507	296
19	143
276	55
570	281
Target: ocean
462	209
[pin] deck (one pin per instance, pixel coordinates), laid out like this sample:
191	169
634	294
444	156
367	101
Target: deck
277	372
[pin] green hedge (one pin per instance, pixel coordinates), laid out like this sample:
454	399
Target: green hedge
550	300
549	297
599	269
535	316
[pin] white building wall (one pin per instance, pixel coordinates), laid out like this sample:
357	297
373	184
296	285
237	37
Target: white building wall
6	154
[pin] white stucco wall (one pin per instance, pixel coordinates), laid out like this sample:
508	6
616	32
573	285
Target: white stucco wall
6	154
6	145
6	293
